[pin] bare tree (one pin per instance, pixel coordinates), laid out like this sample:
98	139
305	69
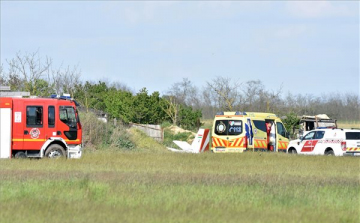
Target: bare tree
64	80
121	86
225	92
185	93
26	70
2	76
172	108
29	72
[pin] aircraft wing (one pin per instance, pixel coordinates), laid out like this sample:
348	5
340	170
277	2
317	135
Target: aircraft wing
177	150
183	145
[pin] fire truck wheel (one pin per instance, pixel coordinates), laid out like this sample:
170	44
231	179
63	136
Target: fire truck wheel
329	152
20	155
55	151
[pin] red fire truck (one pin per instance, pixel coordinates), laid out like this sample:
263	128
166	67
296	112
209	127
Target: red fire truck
39	127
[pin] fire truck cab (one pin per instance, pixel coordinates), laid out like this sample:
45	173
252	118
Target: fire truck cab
39	127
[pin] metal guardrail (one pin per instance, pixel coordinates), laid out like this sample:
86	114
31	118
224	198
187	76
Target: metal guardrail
4	88
14	94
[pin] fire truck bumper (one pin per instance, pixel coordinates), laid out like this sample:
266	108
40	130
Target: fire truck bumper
74	152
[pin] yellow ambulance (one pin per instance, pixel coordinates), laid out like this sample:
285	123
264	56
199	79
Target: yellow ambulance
236	132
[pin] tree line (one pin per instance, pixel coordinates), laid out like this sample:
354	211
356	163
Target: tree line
31	73
182	104
226	94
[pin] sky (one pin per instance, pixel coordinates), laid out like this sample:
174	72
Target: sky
304	47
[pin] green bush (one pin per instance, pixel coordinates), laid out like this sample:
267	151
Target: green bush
100	135
169	137
95	132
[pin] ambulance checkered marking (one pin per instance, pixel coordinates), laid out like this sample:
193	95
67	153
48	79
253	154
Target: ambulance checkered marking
239	142
260	143
353	149
283	145
218	142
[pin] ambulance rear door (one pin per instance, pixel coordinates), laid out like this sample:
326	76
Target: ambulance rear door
228	135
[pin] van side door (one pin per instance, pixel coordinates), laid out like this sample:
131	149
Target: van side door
318	148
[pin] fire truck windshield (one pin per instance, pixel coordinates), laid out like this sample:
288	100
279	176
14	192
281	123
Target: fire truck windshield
67	116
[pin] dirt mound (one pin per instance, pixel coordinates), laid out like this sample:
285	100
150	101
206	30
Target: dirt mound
176	130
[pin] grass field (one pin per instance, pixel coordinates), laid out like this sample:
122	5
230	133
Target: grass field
115	186
349	124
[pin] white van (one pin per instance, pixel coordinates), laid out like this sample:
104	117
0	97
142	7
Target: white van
338	142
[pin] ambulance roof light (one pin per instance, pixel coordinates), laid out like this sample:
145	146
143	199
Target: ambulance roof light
220	113
240	113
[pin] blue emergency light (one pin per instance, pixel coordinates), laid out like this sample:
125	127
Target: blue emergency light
64	96
240	113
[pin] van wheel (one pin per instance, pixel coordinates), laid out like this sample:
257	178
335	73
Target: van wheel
329	152
55	151
292	151
20	155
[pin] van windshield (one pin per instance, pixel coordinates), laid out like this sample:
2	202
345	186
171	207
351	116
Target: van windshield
228	127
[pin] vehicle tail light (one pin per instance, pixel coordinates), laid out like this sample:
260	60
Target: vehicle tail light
343	146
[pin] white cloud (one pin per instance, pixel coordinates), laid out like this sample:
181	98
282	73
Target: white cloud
315	9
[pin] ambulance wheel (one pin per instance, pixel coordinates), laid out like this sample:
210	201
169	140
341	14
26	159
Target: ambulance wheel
329	152
55	151
20	155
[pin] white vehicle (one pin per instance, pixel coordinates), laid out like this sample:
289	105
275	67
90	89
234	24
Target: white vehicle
338	142
321	121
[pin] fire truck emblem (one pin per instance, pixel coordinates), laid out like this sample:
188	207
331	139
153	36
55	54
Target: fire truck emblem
35	133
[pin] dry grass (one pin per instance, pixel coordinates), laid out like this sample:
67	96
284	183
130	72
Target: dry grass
349	124
144	143
115	186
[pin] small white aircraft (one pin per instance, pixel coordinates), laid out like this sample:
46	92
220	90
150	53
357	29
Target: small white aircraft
199	145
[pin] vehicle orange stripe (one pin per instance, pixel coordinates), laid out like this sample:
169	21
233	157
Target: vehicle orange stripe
28	140
40	140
